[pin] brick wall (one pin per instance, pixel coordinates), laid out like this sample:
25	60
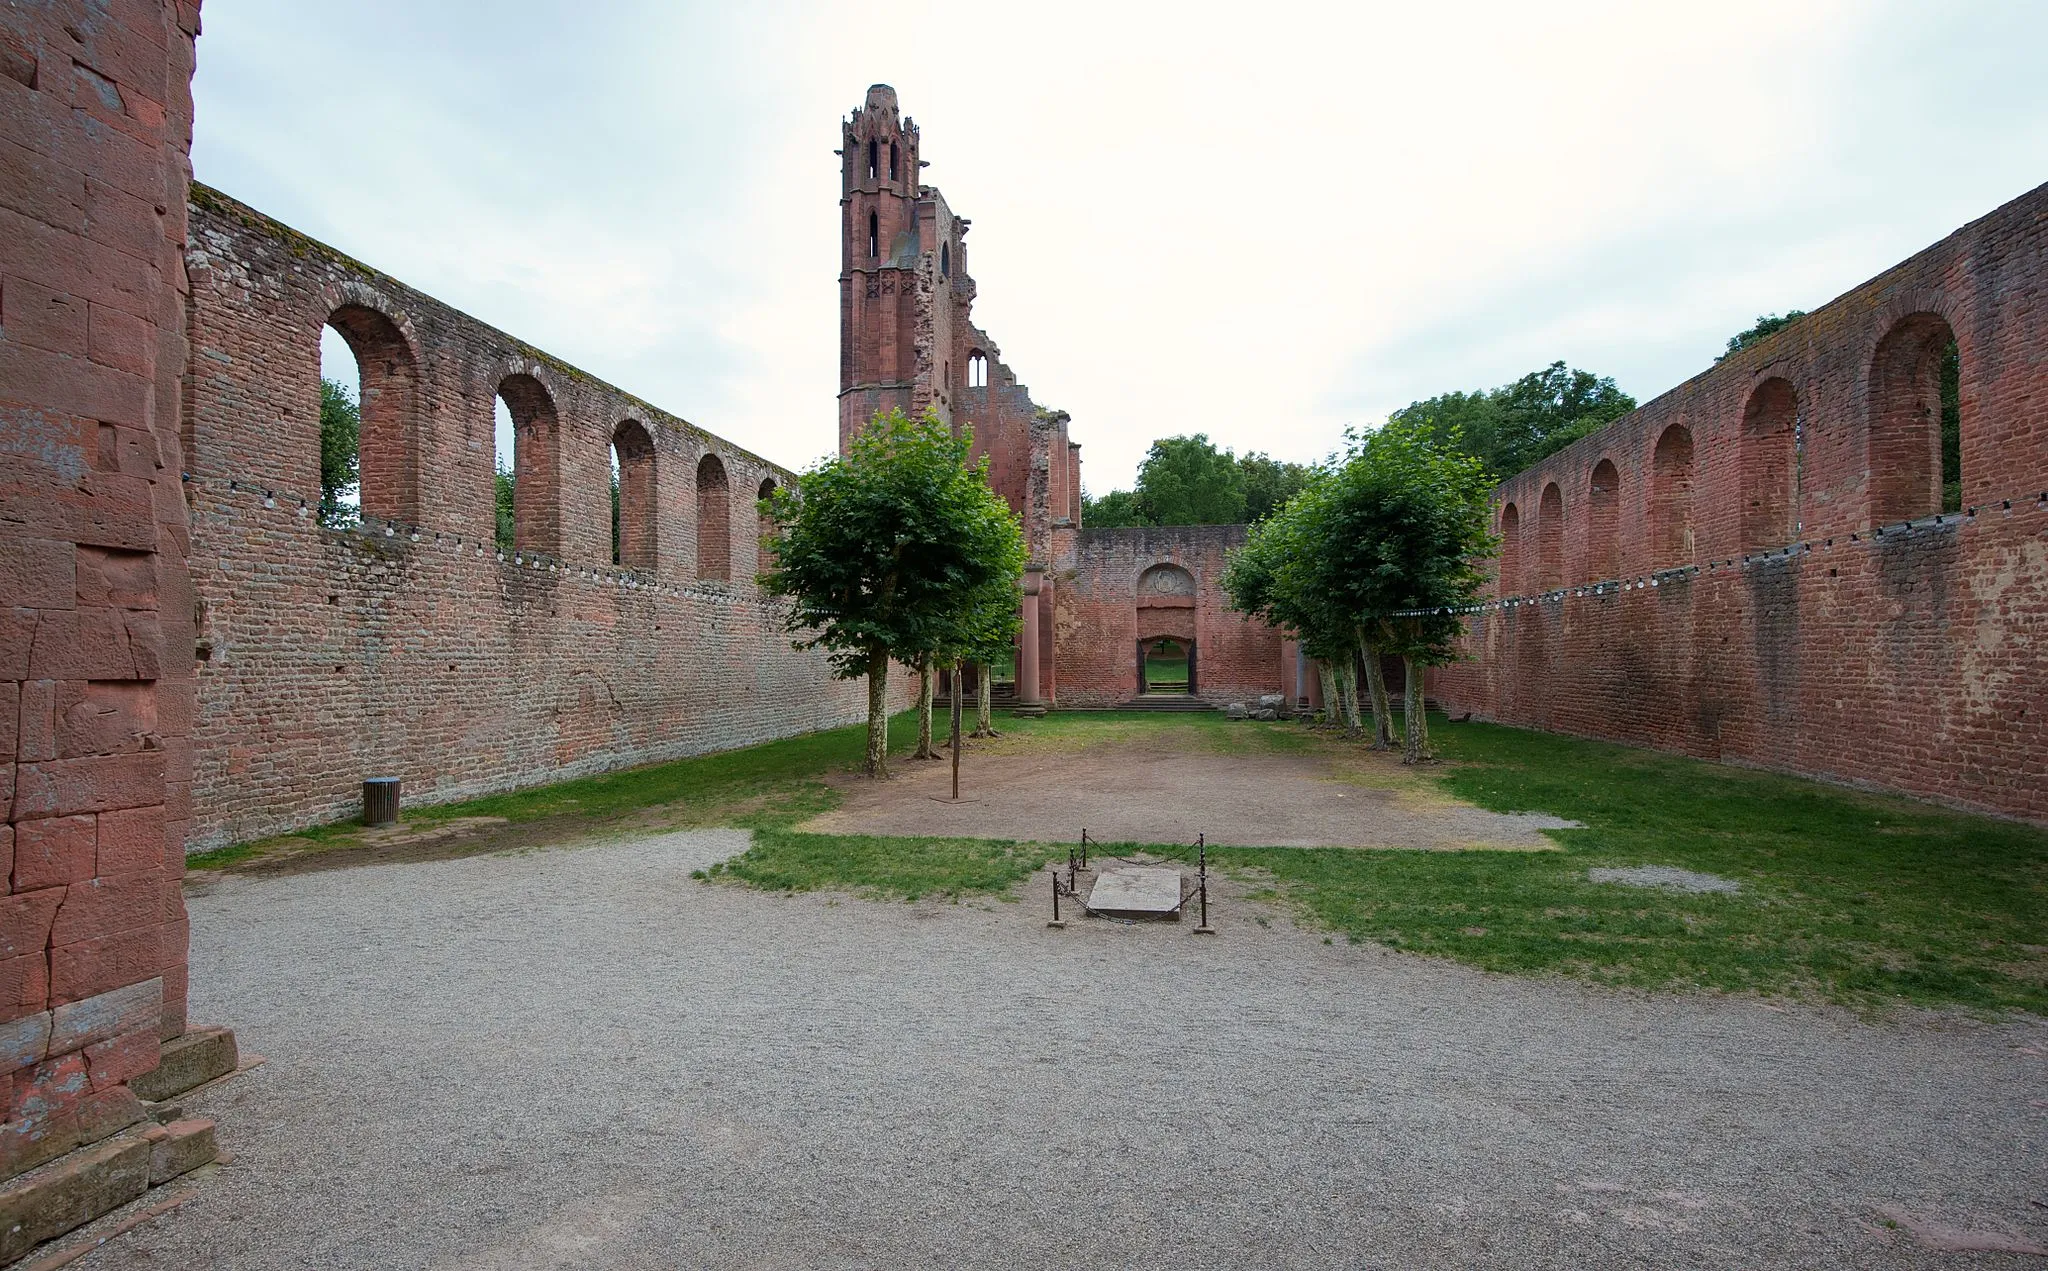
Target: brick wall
1707	574
1101	607
413	647
95	703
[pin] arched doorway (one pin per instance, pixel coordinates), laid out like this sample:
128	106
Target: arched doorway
1166	596
1166	665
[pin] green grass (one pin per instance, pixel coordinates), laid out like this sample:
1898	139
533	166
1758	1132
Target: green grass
774	784
1166	673
1847	896
890	868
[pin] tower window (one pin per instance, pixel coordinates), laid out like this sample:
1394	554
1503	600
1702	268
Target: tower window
945	260
892	161
874	237
977	370
871	158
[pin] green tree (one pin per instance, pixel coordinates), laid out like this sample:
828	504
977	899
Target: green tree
1268	483
1520	423
1115	510
1188	481
504	490
1766	324
341	427
1371	557
1411	541
892	550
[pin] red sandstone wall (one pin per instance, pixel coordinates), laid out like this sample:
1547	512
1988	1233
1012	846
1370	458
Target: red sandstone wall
1915	659
414	647
95	602
1096	619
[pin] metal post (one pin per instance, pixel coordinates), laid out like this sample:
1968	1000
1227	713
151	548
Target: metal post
1084	849
1202	883
1056	923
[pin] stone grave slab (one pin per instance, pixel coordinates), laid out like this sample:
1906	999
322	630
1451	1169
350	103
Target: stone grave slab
1137	891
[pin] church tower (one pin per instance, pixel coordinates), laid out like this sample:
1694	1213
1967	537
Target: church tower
878	263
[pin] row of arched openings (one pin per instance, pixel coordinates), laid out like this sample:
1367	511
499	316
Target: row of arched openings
1914	463
368	465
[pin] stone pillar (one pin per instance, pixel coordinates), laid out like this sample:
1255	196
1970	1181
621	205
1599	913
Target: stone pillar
1028	701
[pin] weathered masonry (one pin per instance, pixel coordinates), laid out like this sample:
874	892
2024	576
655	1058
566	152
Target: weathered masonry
908	341
415	645
96	684
1758	566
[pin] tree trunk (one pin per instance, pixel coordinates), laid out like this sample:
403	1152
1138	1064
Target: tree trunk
1376	681
982	727
924	710
1347	691
1415	720
878	713
1331	701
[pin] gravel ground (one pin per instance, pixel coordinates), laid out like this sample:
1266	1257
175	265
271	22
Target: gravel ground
581	1058
1665	877
1155	788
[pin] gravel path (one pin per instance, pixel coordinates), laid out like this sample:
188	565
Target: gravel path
580	1058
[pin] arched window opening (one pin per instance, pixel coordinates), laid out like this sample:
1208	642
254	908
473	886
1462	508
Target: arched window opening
945	260
1671	498
386	451
764	531
1769	456
892	161
1550	538
1916	421
874	237
872	165
633	536
977	370
1603	522
504	463
1510	549
341	425
714	521
536	467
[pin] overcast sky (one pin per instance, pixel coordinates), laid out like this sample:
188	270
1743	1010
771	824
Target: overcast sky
1259	222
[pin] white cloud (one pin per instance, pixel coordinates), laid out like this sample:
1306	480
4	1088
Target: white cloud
1258	225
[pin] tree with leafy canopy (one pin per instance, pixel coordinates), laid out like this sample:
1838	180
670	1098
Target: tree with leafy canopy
1413	539
1269	483
1766	324
1522	422
1398	527
891	550
1116	510
1188	481
1282	575
341	428
504	486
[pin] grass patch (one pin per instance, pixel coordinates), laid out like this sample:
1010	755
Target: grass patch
777	783
887	868
1852	897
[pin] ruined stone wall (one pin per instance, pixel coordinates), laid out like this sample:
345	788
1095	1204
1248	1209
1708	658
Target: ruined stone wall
1102	612
414	647
96	683
1753	566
